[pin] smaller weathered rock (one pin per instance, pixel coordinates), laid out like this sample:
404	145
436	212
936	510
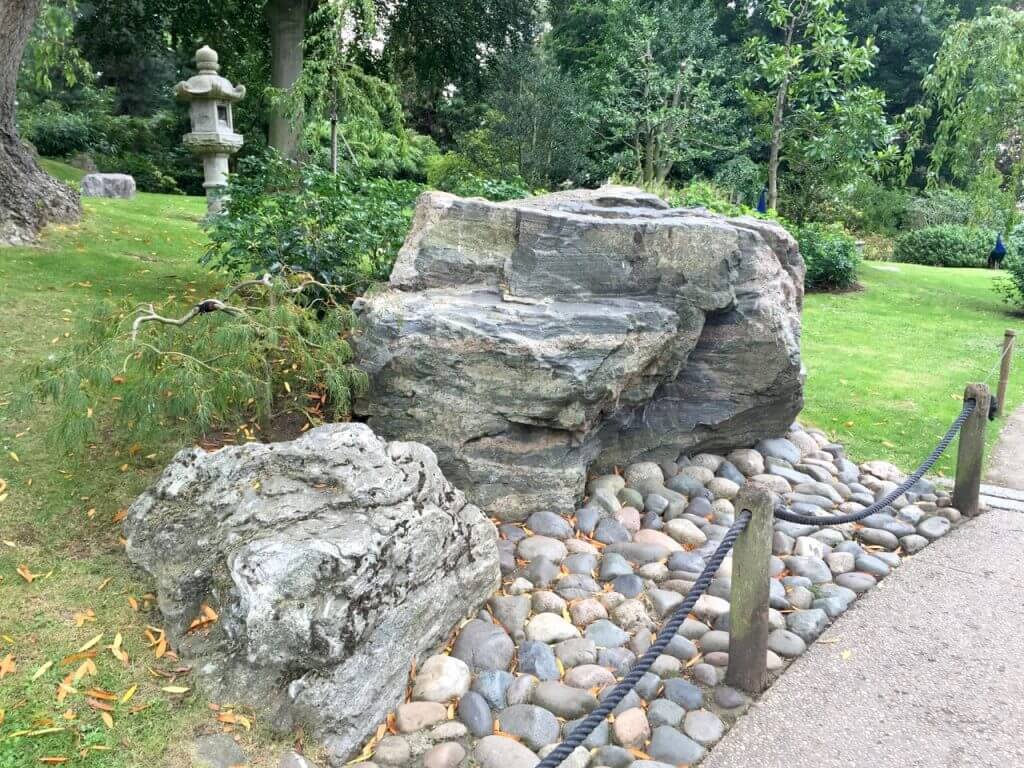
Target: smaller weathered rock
534	725
537	658
631	729
684	693
549	524
393	750
120	185
813	568
512	611
671	747
665	712
577	651
785	643
703	727
502	752
292	759
441	678
933	528
521	690
217	751
484	645
606	635
562	700
728	697
448	755
414	715
493	685
475	714
856	581
807	625
913	544
550	628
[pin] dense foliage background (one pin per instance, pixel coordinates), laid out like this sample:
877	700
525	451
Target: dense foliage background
857	119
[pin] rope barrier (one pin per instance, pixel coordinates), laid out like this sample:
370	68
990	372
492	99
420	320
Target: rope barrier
784	513
640	668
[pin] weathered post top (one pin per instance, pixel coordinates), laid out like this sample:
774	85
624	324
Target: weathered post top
213	136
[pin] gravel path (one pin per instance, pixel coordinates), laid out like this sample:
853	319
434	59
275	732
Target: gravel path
1006	463
925	671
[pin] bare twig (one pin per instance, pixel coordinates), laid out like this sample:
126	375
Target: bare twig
264	281
202	308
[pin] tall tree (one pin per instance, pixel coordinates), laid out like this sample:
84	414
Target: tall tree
662	90
29	198
976	91
436	48
907	34
658	81
537	119
287	22
807	66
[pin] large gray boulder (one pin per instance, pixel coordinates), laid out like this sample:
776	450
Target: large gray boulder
525	341
331	561
108	185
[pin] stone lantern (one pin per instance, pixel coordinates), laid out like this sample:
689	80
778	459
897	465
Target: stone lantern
213	137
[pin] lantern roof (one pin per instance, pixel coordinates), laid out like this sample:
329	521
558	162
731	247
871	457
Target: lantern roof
207	84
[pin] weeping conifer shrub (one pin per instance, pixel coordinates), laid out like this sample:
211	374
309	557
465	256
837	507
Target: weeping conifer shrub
270	349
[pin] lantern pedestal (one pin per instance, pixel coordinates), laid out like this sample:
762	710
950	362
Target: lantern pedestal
213	138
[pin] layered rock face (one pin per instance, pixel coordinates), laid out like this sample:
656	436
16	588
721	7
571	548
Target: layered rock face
526	341
332	561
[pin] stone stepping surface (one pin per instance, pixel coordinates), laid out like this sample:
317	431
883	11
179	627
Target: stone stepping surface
584	592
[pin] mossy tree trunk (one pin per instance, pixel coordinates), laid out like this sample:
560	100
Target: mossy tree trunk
29	198
287	21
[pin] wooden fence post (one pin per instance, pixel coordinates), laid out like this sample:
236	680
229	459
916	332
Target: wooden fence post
1004	370
971	451
748	613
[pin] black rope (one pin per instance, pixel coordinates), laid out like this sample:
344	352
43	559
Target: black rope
784	513
640	668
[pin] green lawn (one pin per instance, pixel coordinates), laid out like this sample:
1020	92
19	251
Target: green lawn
59	514
887	367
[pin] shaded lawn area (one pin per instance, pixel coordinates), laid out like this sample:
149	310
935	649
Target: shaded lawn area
887	366
59	515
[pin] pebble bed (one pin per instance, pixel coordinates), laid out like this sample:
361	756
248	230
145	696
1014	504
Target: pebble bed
583	595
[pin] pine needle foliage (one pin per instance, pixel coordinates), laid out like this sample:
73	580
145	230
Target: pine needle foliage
281	351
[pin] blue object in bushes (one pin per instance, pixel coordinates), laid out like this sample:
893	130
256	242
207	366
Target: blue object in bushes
762	201
995	259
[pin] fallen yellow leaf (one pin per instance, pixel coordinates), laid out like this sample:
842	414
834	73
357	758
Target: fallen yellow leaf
42	670
90	644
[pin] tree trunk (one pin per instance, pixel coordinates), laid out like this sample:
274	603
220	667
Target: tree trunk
775	146
287	21
29	198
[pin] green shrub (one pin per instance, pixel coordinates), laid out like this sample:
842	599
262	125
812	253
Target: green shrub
873	207
830	255
456	173
742	179
985	204
1011	284
344	229
700	193
937	207
149	177
221	369
55	132
945	246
